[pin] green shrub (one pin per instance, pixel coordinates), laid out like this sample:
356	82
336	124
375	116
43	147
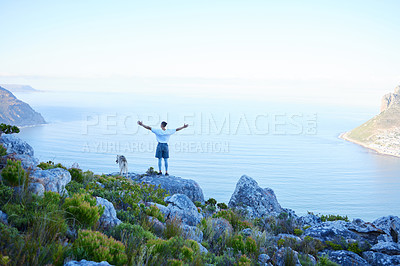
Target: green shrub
82	207
173	228
95	246
244	261
334	246
151	171
237	221
354	247
251	246
75	187
298	232
325	261
8	236
8	129
81	177
14	175
19	215
222	206
155	212
5	194
332	217
237	244
50	165
3	151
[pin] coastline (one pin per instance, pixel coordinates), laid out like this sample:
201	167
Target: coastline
377	150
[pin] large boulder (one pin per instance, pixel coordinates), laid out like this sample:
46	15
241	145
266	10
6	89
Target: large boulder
109	217
19	150
173	185
182	208
52	179
347	258
380	259
391	226
366	230
256	201
220	227
389	248
309	220
330	231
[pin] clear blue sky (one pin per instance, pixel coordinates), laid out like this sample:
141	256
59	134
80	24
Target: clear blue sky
268	48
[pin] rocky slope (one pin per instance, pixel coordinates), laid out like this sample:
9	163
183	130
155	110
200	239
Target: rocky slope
382	132
16	112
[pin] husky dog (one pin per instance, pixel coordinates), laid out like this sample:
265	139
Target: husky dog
123	164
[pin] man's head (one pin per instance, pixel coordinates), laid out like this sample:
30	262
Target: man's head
163	124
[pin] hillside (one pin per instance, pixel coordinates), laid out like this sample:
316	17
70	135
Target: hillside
16	112
382	132
18	88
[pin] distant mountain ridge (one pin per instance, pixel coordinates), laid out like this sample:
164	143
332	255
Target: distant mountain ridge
18	88
382	132
17	112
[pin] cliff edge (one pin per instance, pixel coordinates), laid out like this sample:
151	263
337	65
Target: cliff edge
16	112
382	132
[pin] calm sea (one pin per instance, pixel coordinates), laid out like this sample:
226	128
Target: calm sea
292	148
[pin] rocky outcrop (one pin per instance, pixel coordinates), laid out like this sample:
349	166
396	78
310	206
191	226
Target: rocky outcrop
390	225
347	258
389	248
109	217
390	99
380	259
173	185
52	179
16	112
19	150
182	208
254	200
86	263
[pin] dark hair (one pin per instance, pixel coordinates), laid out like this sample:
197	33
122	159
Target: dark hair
163	124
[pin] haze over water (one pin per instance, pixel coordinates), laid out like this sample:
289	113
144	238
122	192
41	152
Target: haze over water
292	148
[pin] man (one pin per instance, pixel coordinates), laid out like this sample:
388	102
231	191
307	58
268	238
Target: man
162	136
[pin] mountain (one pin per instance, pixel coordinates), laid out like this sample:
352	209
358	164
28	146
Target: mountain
16	112
382	132
18	88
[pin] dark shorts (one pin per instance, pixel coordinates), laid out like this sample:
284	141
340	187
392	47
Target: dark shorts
162	150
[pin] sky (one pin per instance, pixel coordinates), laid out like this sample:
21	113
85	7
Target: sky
329	51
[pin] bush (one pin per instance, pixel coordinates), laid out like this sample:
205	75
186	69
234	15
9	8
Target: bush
155	212
14	175
173	228
50	165
237	221
298	232
95	246
8	129
222	206
332	217
82	207
3	151
81	177
325	261
5	194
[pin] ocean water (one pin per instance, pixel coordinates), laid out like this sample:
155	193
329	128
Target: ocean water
292	148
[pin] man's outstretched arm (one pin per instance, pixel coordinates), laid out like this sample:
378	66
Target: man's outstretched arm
140	123
184	126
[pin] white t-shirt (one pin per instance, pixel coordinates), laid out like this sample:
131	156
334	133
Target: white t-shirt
163	135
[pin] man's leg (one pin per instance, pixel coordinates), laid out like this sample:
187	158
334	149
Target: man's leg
166	165
159	165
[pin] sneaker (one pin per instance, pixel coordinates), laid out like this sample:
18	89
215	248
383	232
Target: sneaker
159	173
166	174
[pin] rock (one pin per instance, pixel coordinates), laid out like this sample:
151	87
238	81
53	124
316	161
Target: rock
192	232
181	207
312	259
376	258
157	226
36	188
309	220
389	248
263	259
390	99
19	150
247	231
330	231
202	249
284	253
257	202
390	225
288	236
109	217
52	179
221	227
174	185
366	230
86	263
346	258
3	218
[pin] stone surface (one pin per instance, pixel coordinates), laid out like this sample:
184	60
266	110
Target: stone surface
288	236
202	249
281	254
52	179
309	219
16	112
380	259
221	226
390	225
3	218
347	258
86	263
263	259
173	185
389	248
109	217
366	230
192	232
157	226
19	150
36	188
390	99
256	201
182	208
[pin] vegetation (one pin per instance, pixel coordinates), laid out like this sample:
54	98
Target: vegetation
8	129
